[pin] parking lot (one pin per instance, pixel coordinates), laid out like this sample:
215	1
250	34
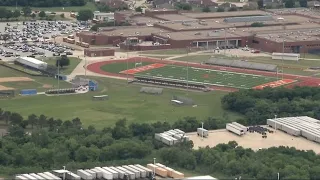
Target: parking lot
36	39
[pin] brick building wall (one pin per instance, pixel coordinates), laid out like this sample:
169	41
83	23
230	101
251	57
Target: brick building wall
97	52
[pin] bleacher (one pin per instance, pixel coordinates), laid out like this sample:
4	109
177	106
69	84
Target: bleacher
242	64
62	91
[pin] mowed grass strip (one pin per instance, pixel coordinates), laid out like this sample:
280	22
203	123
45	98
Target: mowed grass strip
213	77
117	67
66	69
125	101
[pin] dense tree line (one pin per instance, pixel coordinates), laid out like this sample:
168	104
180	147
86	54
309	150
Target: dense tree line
260	105
234	161
43	3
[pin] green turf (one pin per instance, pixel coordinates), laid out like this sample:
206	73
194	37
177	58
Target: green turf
67	69
125	102
117	67
210	77
89	5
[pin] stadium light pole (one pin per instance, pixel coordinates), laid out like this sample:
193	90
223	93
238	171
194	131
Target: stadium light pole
275	124
127	64
85	66
282	56
187	70
64	173
202	130
58	75
225	41
154	168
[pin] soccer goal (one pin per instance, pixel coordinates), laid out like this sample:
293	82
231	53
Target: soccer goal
138	64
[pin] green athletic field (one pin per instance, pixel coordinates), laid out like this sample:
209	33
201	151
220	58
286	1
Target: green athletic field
207	76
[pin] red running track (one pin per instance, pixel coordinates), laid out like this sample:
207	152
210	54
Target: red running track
302	80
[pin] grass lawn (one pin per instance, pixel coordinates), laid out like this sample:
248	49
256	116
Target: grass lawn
39	83
116	67
89	5
206	76
157	57
193	58
310	56
67	69
125	102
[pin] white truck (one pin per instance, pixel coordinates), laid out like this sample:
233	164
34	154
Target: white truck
202	132
234	129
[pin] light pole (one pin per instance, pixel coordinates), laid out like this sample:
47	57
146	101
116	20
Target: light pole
187	70
282	56
202	130
275	123
64	173
278	176
154	168
127	64
225	41
85	66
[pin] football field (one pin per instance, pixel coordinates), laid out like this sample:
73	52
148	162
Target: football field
204	76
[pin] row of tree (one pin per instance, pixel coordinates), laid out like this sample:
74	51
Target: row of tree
43	3
287	3
25	11
257	106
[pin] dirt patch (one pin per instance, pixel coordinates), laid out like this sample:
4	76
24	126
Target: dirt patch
15	79
254	140
5	88
47	86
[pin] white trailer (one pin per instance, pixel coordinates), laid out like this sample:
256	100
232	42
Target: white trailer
236	130
53	177
178	136
202	132
84	174
37	176
244	128
28	176
130	174
160	165
114	173
286	56
173	131
149	171
121	173
166	134
21	178
98	173
167	140
32	62
143	173
180	131
72	176
136	172
105	174
290	130
158	136
44	176
93	174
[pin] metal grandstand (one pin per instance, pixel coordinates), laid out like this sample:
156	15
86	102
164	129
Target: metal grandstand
248	19
242	64
151	90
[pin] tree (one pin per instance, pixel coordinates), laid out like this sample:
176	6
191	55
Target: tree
183	6
289	3
26	11
33	15
233	9
85	15
62	15
206	9
138	9
260	4
220	9
32	120
16	14
257	24
42	14
63	61
9	14
303	3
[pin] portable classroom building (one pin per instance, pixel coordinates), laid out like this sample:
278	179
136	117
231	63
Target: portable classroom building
105	174
149	171
98	173
244	128
202	132
136	172
44	176
53	177
158	170
130	174
73	176
93	174
32	62
37	176
29	177
234	129
84	174
20	178
143	173
121	173
114	173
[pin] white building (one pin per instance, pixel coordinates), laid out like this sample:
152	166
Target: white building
32	62
104	17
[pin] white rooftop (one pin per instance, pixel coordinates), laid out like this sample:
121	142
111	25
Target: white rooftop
33	60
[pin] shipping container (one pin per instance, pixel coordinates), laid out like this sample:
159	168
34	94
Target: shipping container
234	129
72	176
149	171
28	92
21	178
93	174
32	62
115	174
28	176
177	175
143	173
158	136
136	172
84	174
186	138
131	175
167	140
202	132
121	173
169	170
174	140
105	174
160	165
173	131
170	132
44	176
178	136
98	173
244	128
178	130
166	134
158	170
52	176
37	176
